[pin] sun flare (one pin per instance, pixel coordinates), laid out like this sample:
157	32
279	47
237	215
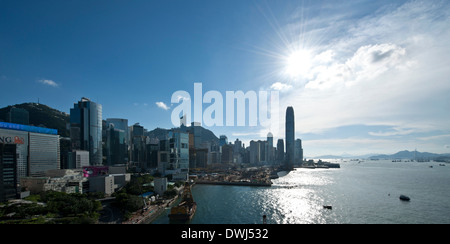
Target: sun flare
298	63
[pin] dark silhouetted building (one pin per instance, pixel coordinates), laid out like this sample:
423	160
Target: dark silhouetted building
280	151
290	138
18	116
8	172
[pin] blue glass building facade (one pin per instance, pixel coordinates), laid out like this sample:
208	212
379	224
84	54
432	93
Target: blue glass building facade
86	129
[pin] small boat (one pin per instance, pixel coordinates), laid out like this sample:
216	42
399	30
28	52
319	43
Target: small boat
404	198
327	207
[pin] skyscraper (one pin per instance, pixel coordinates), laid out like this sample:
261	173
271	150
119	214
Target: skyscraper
298	152
18	116
86	129
223	140
8	171
269	151
280	151
290	137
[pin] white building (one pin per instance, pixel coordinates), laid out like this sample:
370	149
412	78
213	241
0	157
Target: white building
37	148
81	158
102	184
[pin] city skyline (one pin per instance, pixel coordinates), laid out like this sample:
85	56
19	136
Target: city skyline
364	77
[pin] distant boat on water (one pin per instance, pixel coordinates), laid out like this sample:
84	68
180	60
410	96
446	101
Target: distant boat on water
404	198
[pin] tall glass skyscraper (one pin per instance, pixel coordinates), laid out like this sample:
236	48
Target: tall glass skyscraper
269	151
86	129
280	151
290	138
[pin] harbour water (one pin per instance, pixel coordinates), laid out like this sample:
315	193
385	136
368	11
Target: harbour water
359	193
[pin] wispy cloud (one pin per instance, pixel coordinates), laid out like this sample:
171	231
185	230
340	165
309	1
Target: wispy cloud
278	86
162	105
386	68
367	63
396	132
48	82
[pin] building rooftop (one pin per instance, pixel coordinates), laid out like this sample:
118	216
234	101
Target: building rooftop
28	128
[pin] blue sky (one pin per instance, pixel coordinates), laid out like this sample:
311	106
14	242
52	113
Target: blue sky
362	76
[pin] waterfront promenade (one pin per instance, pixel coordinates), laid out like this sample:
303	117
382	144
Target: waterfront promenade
152	212
236	183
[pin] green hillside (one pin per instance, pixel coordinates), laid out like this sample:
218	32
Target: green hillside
43	116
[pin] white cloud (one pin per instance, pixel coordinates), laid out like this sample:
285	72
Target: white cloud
387	68
48	82
366	64
396	132
246	134
278	86
162	105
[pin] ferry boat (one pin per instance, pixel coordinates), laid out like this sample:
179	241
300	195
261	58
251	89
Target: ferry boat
185	210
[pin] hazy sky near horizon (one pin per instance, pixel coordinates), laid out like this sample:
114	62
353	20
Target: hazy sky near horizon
363	76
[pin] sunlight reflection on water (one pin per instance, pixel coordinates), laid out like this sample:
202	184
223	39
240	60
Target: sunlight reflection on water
358	193
295	197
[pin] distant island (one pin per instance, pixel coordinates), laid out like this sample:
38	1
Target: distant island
414	155
407	155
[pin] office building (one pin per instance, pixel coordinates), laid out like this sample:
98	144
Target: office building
120	124
196	129
138	154
238	152
116	147
255	152
18	116
152	154
8	172
270	151
102	184
179	151
37	148
78	159
227	154
223	140
86	129
280	151
173	155
298	152
290	137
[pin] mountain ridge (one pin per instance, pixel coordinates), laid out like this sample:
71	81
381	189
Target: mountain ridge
42	115
405	154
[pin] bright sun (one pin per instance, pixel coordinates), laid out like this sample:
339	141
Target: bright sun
298	63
